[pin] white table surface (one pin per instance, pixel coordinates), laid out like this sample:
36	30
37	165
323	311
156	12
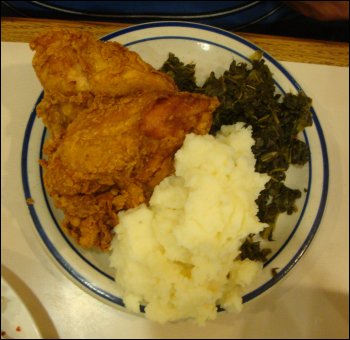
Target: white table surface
311	302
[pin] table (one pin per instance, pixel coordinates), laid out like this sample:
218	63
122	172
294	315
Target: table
312	302
282	48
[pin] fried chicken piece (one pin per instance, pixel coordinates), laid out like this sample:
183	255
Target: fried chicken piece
57	116
73	68
114	153
115	124
71	63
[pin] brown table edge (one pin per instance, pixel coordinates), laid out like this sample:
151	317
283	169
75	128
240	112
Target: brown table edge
281	48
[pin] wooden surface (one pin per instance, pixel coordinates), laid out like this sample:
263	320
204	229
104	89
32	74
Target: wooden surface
281	48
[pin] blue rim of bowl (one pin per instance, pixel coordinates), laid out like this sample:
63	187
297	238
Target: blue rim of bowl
112	298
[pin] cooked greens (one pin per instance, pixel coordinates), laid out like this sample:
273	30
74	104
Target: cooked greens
183	75
274	271
276	198
251	249
247	93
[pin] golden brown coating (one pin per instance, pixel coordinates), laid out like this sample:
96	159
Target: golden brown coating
115	125
70	63
57	115
115	152
73	68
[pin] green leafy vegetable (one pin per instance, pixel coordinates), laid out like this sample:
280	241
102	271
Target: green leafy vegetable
276	198
183	75
251	249
274	271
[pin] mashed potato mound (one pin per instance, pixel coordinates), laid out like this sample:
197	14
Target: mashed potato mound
177	255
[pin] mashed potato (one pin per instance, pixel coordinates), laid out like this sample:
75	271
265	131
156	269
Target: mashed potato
177	256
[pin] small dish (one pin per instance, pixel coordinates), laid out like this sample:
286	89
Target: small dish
16	320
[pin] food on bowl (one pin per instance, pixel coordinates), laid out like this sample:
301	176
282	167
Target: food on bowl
178	256
184	242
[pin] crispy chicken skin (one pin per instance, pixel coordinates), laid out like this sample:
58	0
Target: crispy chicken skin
115	125
71	63
121	140
114	153
73	68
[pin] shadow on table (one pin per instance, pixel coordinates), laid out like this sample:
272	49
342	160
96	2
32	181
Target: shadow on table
310	314
38	312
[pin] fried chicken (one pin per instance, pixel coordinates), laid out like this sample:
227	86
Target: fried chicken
72	63
115	123
114	153
73	68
